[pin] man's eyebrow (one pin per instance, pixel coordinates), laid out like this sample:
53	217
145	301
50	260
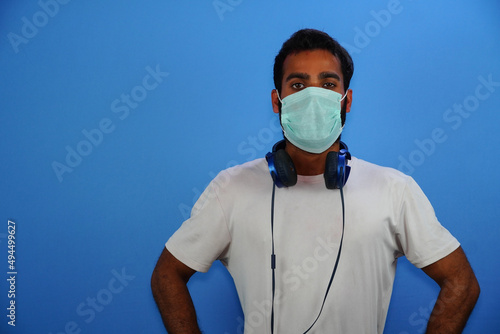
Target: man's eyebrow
298	75
324	75
305	76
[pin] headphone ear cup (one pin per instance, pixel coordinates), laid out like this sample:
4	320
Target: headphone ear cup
331	166
285	169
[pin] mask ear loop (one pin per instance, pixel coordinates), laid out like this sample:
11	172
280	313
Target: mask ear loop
278	93
343	97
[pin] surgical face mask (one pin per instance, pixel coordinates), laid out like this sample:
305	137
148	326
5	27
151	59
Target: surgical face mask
310	118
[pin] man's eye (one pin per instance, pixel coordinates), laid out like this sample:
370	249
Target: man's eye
298	85
329	85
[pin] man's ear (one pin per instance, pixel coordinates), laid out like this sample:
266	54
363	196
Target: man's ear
275	101
348	100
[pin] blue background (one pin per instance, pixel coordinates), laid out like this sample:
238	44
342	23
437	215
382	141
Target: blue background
88	236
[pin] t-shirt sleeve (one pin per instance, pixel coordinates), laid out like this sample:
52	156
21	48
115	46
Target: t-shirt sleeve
423	240
204	236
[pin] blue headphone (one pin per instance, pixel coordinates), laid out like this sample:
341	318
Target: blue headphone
283	171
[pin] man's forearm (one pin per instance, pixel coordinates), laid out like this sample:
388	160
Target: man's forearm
174	301
455	303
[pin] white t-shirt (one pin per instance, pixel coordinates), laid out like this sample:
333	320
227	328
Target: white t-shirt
386	216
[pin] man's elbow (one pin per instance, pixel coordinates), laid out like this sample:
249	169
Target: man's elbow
467	289
155	285
474	289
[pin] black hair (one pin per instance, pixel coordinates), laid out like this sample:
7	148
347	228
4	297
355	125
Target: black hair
312	39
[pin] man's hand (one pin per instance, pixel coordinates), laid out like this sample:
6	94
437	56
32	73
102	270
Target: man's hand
458	295
171	294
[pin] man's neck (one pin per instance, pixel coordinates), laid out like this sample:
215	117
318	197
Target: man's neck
309	163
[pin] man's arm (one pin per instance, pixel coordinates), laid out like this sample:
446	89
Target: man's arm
458	295
171	294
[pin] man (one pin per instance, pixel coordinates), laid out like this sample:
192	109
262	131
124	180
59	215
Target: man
357	230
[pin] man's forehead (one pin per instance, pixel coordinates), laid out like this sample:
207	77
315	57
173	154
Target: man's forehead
317	60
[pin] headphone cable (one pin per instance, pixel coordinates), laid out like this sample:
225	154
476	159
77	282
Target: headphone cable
336	261
273	259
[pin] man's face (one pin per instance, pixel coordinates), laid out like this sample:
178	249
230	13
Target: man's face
315	68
